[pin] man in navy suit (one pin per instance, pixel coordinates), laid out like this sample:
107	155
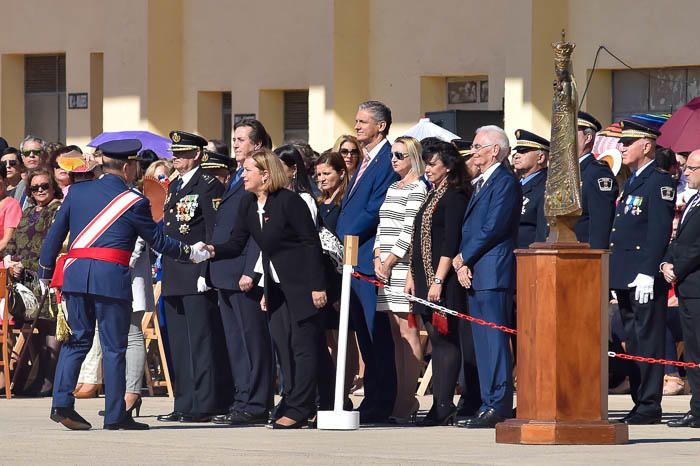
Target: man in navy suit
486	266
245	325
104	217
359	216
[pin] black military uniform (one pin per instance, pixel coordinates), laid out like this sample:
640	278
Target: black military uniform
533	224
599	191
640	235
193	321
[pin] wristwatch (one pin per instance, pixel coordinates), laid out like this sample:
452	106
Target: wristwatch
438	281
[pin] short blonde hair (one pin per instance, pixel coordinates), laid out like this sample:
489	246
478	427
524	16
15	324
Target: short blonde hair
151	170
415	153
266	161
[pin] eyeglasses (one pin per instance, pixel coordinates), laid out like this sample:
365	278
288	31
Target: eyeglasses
478	147
349	152
35	188
399	155
691	168
32	152
10	163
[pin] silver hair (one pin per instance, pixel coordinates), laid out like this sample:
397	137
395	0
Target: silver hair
496	135
30	138
379	111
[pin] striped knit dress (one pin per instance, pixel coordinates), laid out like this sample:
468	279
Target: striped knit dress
396	217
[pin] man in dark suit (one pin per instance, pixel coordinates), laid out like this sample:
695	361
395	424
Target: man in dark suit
194	324
103	217
640	235
599	188
359	216
530	164
682	266
486	266
245	325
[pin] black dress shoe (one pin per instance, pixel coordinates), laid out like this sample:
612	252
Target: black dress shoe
638	419
127	423
196	417
689	420
175	416
69	418
440	415
485	420
239	418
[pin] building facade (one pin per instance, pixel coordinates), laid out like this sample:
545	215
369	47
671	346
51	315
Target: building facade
72	69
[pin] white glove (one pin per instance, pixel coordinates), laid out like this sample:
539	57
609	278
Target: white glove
198	253
6	261
44	284
202	285
643	288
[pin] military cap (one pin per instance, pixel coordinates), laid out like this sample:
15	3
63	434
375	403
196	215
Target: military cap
463	146
215	160
587	120
3	144
121	149
527	141
182	141
633	130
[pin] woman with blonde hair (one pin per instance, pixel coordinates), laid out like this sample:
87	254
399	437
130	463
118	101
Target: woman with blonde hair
293	277
394	233
349	147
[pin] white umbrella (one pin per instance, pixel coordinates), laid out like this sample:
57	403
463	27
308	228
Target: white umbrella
425	129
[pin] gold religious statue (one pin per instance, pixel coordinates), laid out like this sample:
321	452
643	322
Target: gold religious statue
562	204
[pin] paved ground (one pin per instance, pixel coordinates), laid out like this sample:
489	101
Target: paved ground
30	437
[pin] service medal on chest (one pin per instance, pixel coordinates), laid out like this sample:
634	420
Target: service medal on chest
184	229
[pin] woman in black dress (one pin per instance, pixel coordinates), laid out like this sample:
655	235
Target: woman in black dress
436	238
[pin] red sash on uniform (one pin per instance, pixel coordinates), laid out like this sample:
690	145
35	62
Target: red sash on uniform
81	247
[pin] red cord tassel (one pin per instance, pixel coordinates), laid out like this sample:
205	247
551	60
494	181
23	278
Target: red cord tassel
440	323
412	320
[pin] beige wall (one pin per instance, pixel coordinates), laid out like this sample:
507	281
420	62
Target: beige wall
164	62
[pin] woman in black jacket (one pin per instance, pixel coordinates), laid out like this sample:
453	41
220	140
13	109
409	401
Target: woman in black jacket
294	287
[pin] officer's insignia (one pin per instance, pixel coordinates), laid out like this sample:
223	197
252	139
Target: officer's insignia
176	137
186	207
526	201
186	248
167	199
184	229
216	202
667	193
633	205
605	184
205	157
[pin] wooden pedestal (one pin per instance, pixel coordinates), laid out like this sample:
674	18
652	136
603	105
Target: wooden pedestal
562	368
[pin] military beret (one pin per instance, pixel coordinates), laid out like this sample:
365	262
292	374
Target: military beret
633	130
121	149
463	146
527	141
183	141
587	120
215	160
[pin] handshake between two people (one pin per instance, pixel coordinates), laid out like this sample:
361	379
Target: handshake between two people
200	252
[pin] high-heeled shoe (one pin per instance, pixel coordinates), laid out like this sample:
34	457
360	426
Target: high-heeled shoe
135	407
296	425
410	419
88	390
440	415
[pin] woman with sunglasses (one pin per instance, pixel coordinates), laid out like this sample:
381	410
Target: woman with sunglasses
14	183
396	216
22	255
349	147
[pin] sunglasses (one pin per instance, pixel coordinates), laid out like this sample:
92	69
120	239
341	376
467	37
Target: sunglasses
32	152
399	155
11	163
349	152
35	188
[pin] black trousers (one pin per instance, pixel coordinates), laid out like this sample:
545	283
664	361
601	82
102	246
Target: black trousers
645	330
690	323
298	343
202	382
249	350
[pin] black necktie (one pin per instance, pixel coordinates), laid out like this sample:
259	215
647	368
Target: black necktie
178	184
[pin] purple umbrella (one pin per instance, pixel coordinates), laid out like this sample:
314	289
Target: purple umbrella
155	142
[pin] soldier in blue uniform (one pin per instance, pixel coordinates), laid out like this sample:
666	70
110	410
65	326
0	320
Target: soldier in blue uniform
202	378
640	235
104	217
598	187
530	163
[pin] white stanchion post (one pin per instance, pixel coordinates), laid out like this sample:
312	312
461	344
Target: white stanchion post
338	419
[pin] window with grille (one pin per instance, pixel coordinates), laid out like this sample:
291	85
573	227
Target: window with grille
296	115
